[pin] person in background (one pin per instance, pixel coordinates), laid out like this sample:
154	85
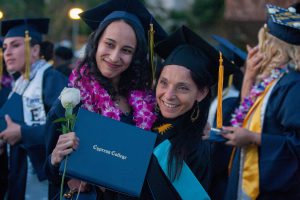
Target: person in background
114	75
265	127
47	51
63	59
230	101
181	165
38	86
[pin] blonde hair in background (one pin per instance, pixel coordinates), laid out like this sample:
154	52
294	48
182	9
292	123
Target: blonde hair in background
295	57
275	53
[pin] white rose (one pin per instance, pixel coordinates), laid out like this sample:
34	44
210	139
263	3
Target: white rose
69	96
292	9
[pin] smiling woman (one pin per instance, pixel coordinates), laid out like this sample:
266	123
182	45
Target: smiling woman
115	50
176	91
181	167
114	78
39	85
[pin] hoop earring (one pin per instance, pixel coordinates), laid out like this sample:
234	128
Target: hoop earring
195	113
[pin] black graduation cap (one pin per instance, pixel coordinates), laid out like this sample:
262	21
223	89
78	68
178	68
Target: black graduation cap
284	24
186	48
230	51
133	10
17	27
64	52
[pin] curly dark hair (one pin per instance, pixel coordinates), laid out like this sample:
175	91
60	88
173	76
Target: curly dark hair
136	77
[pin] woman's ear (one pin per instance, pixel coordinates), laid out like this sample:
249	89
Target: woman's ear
202	94
35	52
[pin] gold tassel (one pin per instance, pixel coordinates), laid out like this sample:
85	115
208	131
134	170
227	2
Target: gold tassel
1	67
27	55
151	50
230	81
220	93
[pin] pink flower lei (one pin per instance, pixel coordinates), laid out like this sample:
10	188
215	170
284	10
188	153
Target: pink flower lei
96	99
240	113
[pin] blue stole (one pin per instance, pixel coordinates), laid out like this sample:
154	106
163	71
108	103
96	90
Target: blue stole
187	185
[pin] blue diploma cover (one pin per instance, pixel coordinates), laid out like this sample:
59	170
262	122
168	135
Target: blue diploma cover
111	154
14	108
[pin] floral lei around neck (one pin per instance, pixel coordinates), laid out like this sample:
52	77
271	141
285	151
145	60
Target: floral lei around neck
96	99
240	113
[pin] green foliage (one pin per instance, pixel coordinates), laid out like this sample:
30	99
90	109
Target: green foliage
67	122
207	11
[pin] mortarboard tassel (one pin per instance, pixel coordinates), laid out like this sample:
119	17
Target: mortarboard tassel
220	93
151	50
27	55
230	81
1	66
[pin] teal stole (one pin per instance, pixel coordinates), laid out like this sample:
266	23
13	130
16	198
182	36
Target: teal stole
187	185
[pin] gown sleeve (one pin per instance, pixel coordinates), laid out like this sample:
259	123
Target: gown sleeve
33	137
280	143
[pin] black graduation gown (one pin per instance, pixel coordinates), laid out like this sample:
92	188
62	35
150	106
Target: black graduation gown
221	154
279	153
156	184
199	161
4	92
33	140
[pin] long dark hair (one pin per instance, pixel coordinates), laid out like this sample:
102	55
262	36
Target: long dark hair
136	77
46	49
188	135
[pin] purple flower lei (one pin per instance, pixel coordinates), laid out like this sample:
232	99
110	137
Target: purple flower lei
96	99
6	81
240	113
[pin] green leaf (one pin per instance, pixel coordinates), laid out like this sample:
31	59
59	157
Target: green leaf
65	129
62	119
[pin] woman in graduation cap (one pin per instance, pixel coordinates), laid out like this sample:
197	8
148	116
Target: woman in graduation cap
38	86
266	125
181	165
114	75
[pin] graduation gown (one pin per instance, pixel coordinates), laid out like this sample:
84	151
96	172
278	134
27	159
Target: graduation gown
33	140
4	92
198	160
279	153
221	153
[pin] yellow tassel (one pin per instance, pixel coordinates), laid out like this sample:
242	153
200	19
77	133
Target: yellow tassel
220	93
230	81
27	55
151	50
1	66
